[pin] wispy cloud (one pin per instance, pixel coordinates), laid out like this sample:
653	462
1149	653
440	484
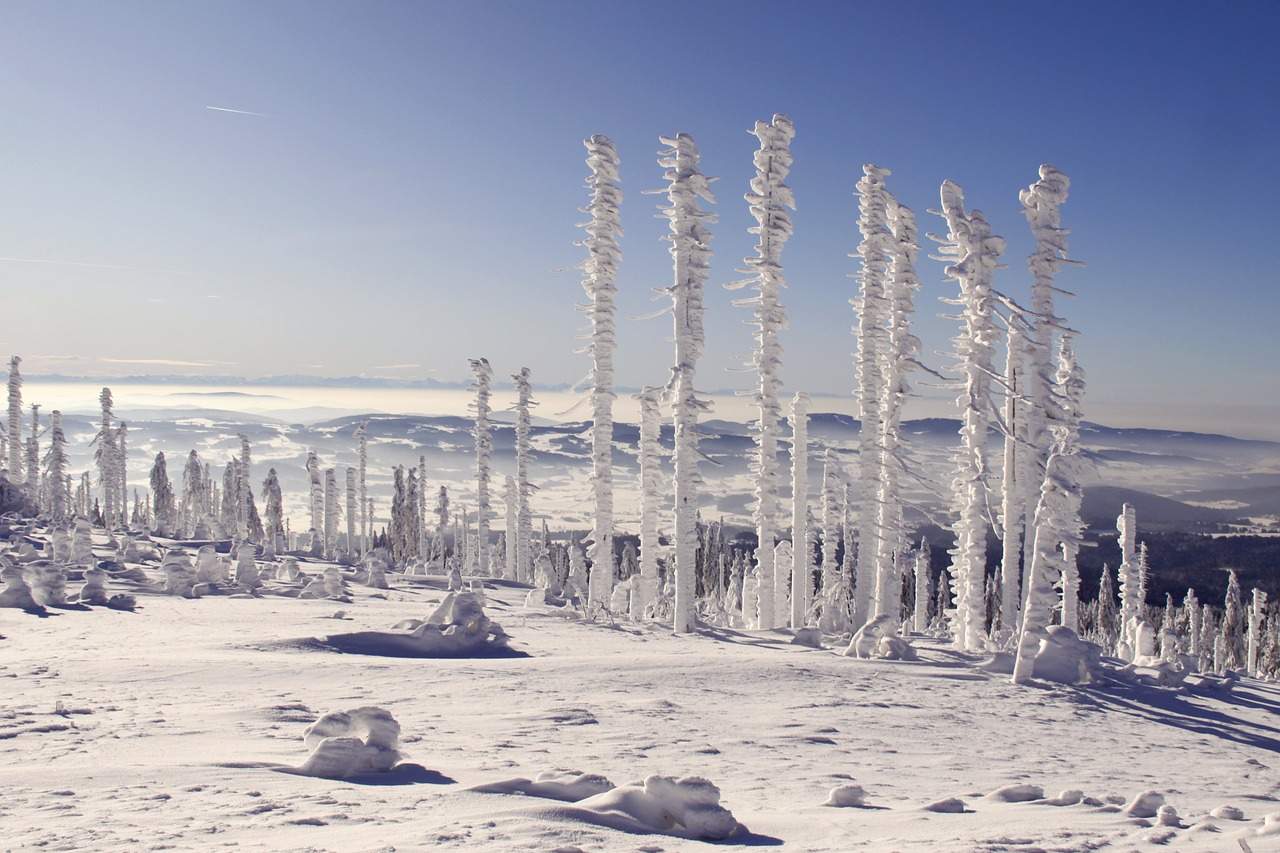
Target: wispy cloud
395	366
57	357
237	112
166	362
61	263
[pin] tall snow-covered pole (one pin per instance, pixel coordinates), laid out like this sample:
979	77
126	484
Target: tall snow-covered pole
835	599
483	435
801	579
920	616
524	521
690	250
33	454
1130	602
874	310
106	456
330	511
770	201
122	473
900	357
646	588
598	273
15	420
351	512
245	490
972	253
362	438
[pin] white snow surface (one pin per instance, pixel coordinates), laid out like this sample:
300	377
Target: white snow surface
167	727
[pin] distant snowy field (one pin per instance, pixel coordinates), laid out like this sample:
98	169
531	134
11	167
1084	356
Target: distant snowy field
1197	477
169	728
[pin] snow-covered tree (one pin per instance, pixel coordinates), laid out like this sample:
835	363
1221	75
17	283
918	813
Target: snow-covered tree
194	491
15	420
351	511
1130	601
509	535
442	522
1069	395
362	438
920	616
330	511
162	499
1052	527
598	273
873	307
646	584
228	506
242	483
900	359
1040	205
33	455
1257	611
524	489
122	474
316	482
1106	619
483	435
800	577
1233	624
55	468
1191	607
972	253
1012	504
770	201
835	591
690	240
105	455
274	511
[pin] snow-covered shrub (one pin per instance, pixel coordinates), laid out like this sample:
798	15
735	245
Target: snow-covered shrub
247	575
179	576
16	592
94	590
48	583
876	639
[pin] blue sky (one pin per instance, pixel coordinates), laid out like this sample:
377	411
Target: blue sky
408	195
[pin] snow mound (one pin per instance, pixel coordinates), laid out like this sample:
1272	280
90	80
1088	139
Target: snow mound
846	796
1145	804
877	639
48	583
688	807
1069	797
16	592
949	805
1270	824
1227	812
247	575
1017	794
570	786
94	590
1065	658
457	628
810	637
179	576
352	743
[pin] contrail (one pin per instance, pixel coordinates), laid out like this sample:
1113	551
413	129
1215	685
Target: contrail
237	112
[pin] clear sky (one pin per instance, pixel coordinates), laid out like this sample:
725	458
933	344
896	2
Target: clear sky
401	188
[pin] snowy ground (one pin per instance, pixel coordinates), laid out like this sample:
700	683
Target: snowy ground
168	728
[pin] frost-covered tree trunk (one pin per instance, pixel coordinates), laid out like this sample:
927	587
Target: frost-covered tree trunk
835	601
317	492
351	511
1130	603
524	521
362	438
690	241
122	474
1053	518
442	523
33	455
770	201
800	582
274	510
483	436
1040	205
15	420
1012	505
510	535
646	587
243	498
106	458
162	496
920	616
55	466
598	273
1257	611
874	310
973	253
330	511
900	358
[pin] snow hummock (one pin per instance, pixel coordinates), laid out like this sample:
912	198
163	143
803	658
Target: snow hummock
568	785
1144	804
352	743
846	796
877	639
688	807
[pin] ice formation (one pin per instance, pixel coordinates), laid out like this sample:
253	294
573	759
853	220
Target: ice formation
352	743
